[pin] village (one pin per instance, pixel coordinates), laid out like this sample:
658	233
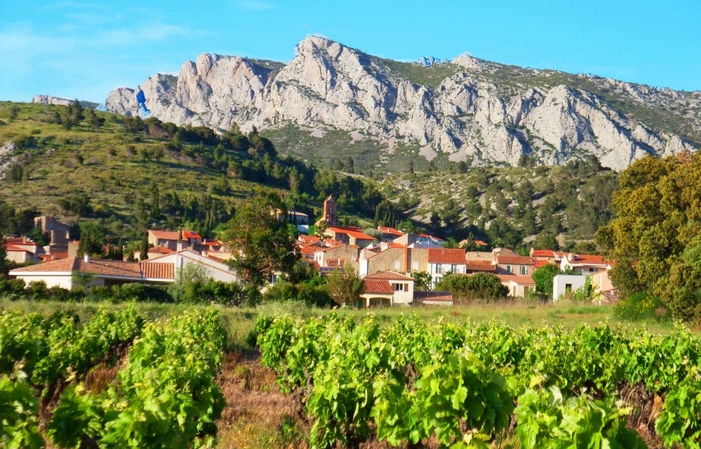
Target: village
387	262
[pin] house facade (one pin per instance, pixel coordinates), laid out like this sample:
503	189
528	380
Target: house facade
161	270
514	264
444	260
386	289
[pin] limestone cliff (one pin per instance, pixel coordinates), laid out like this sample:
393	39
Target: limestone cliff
468	109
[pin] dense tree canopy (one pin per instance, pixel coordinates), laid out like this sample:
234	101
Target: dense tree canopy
260	243
656	237
481	286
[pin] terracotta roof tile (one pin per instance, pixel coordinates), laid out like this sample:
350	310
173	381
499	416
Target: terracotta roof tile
16	249
191	235
160	250
515	260
587	259
158	270
109	268
521	280
480	265
542	263
443	255
388	230
543	253
308	238
378	286
388	275
58	266
355	234
165	235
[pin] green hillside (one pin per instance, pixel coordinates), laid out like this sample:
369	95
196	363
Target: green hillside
138	172
510	204
132	174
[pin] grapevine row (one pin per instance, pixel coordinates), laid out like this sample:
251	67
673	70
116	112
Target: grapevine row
164	395
462	384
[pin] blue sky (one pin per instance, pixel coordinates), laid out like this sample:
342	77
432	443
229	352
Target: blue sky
83	49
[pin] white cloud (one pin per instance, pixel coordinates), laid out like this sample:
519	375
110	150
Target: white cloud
255	5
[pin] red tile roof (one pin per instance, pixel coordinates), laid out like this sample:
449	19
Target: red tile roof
480	265
58	266
388	230
448	256
515	260
521	280
158	270
378	286
480	243
165	235
308	238
355	234
543	253
388	275
396	245
587	259
541	263
191	235
108	268
160	250
16	249
309	250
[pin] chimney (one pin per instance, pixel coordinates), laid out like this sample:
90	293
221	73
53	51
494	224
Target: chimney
86	258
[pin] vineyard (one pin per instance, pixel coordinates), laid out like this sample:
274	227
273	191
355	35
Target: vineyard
75	384
122	378
415	384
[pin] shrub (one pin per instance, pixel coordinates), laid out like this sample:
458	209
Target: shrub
641	306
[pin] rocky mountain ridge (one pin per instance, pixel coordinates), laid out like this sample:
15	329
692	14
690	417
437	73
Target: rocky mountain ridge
465	110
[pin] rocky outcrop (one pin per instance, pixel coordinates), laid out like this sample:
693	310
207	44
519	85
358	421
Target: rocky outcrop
480	111
48	99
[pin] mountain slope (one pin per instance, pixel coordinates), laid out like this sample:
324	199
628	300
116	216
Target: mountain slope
466	110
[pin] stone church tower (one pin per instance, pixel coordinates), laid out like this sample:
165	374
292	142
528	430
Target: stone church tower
330	212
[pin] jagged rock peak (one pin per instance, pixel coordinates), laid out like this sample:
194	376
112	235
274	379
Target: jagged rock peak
470	110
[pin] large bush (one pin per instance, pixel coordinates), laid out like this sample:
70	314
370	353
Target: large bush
479	286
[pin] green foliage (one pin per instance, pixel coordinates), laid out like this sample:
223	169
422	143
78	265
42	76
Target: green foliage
92	238
543	278
166	396
680	420
478	286
457	383
547	420
655	238
260	243
422	280
19	411
345	286
460	401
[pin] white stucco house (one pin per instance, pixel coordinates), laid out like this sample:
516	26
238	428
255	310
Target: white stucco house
161	270
387	288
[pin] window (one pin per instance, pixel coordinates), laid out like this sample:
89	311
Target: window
439	268
399	287
568	288
396	265
453	268
508	268
524	269
415	266
591	270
